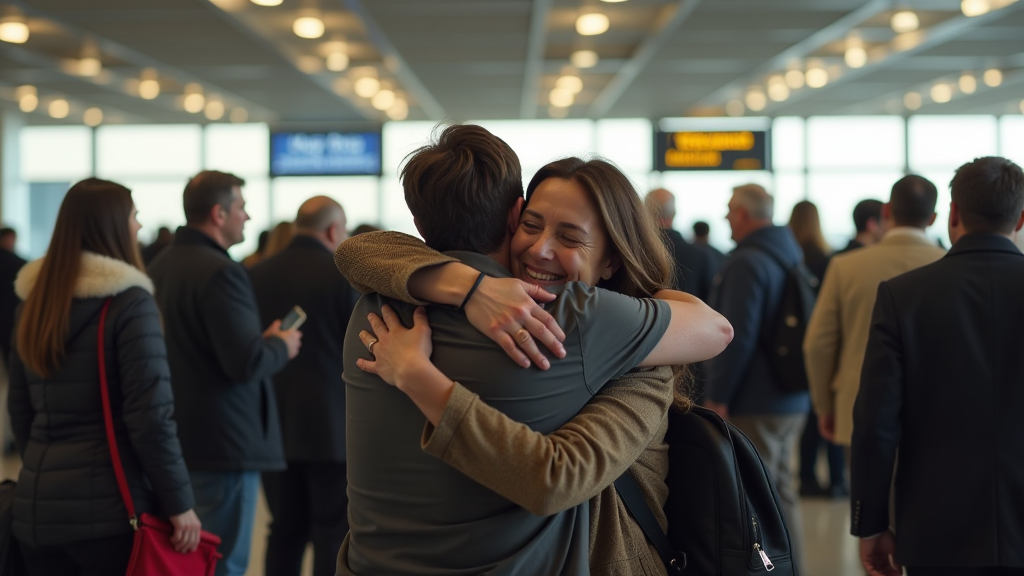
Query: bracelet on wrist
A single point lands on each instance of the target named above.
(469, 294)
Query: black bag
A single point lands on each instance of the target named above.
(724, 515)
(10, 555)
(783, 336)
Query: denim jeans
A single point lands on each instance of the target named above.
(226, 505)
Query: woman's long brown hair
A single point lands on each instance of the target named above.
(93, 217)
(646, 265)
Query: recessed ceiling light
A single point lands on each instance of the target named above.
(383, 100)
(149, 89)
(795, 79)
(28, 102)
(570, 82)
(399, 110)
(777, 89)
(584, 58)
(194, 103)
(367, 87)
(817, 77)
(756, 100)
(972, 8)
(905, 21)
(59, 108)
(337, 61)
(93, 117)
(993, 77)
(941, 93)
(561, 98)
(968, 83)
(214, 110)
(308, 27)
(855, 57)
(267, 2)
(912, 100)
(592, 24)
(14, 31)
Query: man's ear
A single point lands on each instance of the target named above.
(886, 212)
(1020, 223)
(514, 215)
(954, 216)
(932, 219)
(217, 215)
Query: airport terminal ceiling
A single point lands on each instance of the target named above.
(365, 61)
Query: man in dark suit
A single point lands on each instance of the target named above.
(702, 240)
(10, 265)
(307, 500)
(221, 363)
(943, 382)
(695, 268)
(163, 239)
(867, 219)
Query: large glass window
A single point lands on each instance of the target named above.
(836, 193)
(56, 153)
(855, 142)
(161, 151)
(950, 141)
(1011, 138)
(788, 144)
(241, 149)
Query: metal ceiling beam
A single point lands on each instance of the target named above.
(135, 58)
(396, 64)
(903, 46)
(797, 52)
(669, 20)
(534, 58)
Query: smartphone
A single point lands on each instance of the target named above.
(293, 319)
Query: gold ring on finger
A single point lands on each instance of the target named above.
(370, 345)
(525, 335)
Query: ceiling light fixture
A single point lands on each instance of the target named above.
(93, 117)
(993, 77)
(337, 61)
(89, 66)
(194, 103)
(734, 108)
(584, 58)
(214, 109)
(570, 82)
(59, 108)
(561, 98)
(14, 30)
(399, 110)
(942, 93)
(795, 79)
(383, 100)
(613, 1)
(308, 27)
(912, 100)
(855, 57)
(972, 8)
(592, 24)
(905, 21)
(817, 77)
(239, 115)
(267, 2)
(28, 98)
(968, 83)
(149, 89)
(777, 88)
(367, 87)
(756, 100)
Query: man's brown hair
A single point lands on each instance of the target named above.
(912, 201)
(461, 187)
(207, 189)
(990, 194)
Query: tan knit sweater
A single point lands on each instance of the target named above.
(621, 428)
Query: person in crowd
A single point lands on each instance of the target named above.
(867, 219)
(694, 268)
(307, 501)
(68, 513)
(411, 512)
(221, 363)
(364, 228)
(740, 384)
(280, 238)
(526, 466)
(941, 384)
(838, 330)
(10, 265)
(805, 223)
(261, 247)
(163, 239)
(701, 234)
(8, 239)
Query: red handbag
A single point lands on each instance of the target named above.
(152, 552)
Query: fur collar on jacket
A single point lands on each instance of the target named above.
(98, 277)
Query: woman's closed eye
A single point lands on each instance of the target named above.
(531, 227)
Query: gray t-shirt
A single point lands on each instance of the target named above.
(410, 513)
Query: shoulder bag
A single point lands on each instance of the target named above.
(152, 552)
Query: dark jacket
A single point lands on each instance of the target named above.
(220, 362)
(816, 261)
(748, 292)
(310, 392)
(67, 491)
(695, 268)
(943, 381)
(10, 264)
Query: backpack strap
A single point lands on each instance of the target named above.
(634, 500)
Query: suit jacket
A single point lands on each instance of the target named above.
(10, 264)
(838, 330)
(695, 269)
(310, 391)
(220, 362)
(943, 381)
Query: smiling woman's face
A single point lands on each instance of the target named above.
(561, 237)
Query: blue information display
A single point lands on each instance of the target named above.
(325, 154)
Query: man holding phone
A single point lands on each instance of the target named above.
(308, 501)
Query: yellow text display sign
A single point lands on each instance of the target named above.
(707, 150)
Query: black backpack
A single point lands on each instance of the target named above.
(724, 515)
(783, 336)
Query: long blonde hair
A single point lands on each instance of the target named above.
(806, 226)
(93, 217)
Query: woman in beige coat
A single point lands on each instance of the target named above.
(583, 221)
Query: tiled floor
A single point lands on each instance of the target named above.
(829, 549)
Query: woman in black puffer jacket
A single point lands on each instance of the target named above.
(68, 513)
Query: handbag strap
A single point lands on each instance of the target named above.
(108, 417)
(634, 500)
